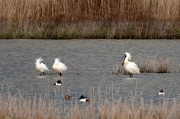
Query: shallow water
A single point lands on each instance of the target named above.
(89, 65)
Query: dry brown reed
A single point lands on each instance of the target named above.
(154, 66)
(89, 19)
(42, 106)
(117, 69)
(15, 107)
(18, 107)
(178, 68)
(35, 11)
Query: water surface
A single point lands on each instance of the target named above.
(89, 65)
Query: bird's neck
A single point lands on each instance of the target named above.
(126, 61)
(37, 63)
(56, 62)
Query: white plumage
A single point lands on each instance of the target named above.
(41, 67)
(130, 67)
(59, 66)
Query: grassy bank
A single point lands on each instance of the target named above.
(69, 19)
(93, 30)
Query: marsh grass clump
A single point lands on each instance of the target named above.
(145, 66)
(163, 66)
(117, 69)
(177, 69)
(154, 66)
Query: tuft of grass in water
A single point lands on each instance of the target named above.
(163, 66)
(154, 66)
(117, 69)
(145, 66)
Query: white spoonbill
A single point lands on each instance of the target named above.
(130, 67)
(59, 66)
(41, 67)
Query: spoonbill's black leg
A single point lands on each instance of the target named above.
(131, 75)
(60, 74)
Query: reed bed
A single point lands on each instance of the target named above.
(35, 11)
(69, 19)
(18, 107)
(92, 30)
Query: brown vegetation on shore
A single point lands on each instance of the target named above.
(70, 19)
(34, 11)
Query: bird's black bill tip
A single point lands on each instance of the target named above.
(123, 60)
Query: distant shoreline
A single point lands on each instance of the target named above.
(90, 19)
(92, 30)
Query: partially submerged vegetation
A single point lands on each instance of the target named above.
(146, 66)
(41, 107)
(154, 66)
(90, 19)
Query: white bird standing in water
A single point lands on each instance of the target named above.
(130, 67)
(59, 66)
(41, 67)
